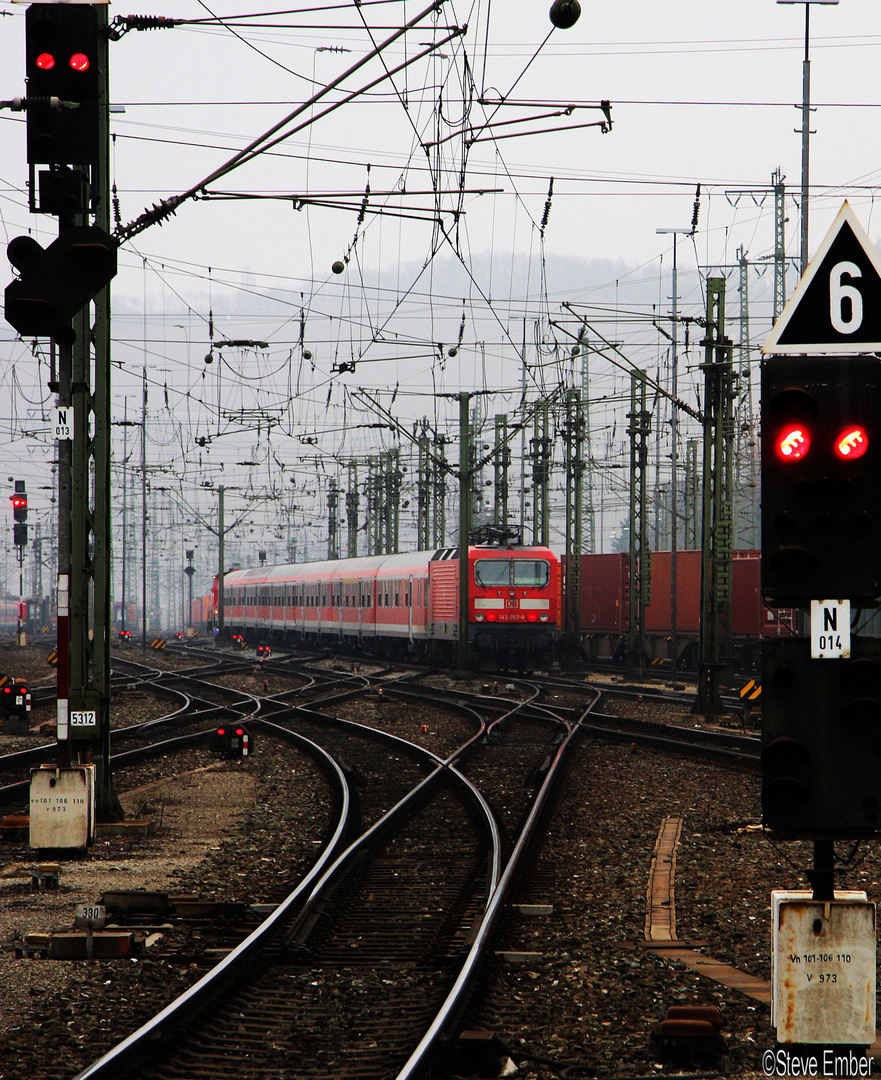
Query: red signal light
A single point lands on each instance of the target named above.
(79, 62)
(852, 443)
(45, 61)
(792, 442)
(240, 731)
(221, 731)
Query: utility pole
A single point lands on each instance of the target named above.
(391, 497)
(746, 451)
(52, 298)
(541, 475)
(423, 492)
(638, 429)
(333, 501)
(779, 187)
(221, 555)
(806, 125)
(439, 517)
(501, 461)
(374, 507)
(353, 505)
(573, 435)
(690, 496)
(144, 515)
(125, 423)
(716, 530)
(465, 522)
(590, 540)
(674, 449)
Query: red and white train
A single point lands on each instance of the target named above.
(407, 605)
(12, 613)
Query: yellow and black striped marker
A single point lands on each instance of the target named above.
(752, 691)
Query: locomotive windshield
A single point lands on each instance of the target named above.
(503, 573)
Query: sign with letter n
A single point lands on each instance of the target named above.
(830, 629)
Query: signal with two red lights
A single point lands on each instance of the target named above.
(821, 479)
(19, 500)
(15, 695)
(62, 69)
(793, 442)
(232, 741)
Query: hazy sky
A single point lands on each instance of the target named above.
(700, 93)
(458, 244)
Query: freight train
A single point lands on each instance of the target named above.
(605, 616)
(406, 606)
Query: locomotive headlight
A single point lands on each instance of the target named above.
(479, 617)
(543, 617)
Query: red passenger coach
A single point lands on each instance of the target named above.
(399, 606)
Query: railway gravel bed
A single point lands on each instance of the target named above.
(225, 831)
(575, 985)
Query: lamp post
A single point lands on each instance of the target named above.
(674, 439)
(805, 124)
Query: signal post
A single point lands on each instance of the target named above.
(821, 693)
(67, 109)
(19, 500)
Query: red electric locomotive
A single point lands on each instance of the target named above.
(398, 606)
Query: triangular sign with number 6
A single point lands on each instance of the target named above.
(837, 305)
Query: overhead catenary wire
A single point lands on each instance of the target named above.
(265, 141)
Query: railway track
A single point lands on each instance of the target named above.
(408, 906)
(453, 924)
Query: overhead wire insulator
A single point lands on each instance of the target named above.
(697, 209)
(547, 210)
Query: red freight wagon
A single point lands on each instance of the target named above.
(605, 615)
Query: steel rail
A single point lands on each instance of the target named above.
(455, 1001)
(114, 1064)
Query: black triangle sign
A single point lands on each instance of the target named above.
(836, 307)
